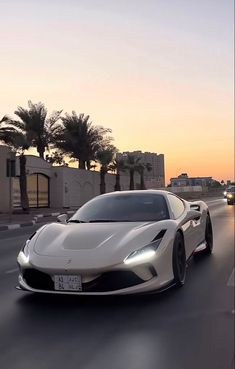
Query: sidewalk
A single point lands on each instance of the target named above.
(19, 219)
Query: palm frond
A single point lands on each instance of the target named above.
(16, 124)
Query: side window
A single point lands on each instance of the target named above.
(177, 206)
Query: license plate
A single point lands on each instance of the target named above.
(68, 282)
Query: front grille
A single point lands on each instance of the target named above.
(109, 281)
(38, 280)
(112, 281)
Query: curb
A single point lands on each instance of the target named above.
(9, 227)
(16, 226)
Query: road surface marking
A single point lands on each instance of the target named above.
(231, 280)
(13, 226)
(11, 271)
(216, 200)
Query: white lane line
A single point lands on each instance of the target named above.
(11, 271)
(231, 280)
(217, 200)
(13, 226)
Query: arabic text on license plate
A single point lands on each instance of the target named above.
(68, 282)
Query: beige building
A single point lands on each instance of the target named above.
(184, 180)
(6, 182)
(50, 186)
(156, 177)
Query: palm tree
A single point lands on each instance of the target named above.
(79, 139)
(18, 141)
(133, 165)
(118, 166)
(104, 158)
(141, 171)
(38, 129)
(56, 157)
(5, 131)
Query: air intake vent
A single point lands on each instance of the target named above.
(159, 235)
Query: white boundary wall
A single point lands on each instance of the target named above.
(69, 187)
(73, 187)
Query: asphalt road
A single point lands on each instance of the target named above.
(188, 328)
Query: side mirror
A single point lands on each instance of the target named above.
(62, 218)
(194, 215)
(195, 207)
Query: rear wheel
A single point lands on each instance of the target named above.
(179, 260)
(208, 236)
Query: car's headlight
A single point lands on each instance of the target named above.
(225, 193)
(25, 248)
(23, 256)
(230, 195)
(145, 253)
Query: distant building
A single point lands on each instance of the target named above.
(183, 180)
(156, 177)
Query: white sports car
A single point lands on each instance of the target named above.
(118, 243)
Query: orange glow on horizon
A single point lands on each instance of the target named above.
(159, 75)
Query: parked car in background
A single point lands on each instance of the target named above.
(230, 195)
(225, 192)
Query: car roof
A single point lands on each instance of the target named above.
(140, 192)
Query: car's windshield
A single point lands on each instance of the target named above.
(123, 208)
(231, 189)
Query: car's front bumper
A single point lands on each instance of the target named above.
(106, 285)
(146, 287)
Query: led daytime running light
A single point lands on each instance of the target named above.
(143, 254)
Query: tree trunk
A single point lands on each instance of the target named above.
(102, 181)
(81, 164)
(117, 186)
(132, 185)
(23, 184)
(41, 151)
(88, 164)
(142, 184)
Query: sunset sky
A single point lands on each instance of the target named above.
(159, 73)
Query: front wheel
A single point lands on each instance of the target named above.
(179, 260)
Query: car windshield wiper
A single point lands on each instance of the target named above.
(104, 221)
(76, 221)
(123, 220)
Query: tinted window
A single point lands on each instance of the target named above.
(123, 207)
(177, 206)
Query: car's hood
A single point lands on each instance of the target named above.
(95, 240)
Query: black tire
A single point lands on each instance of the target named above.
(229, 202)
(179, 260)
(208, 236)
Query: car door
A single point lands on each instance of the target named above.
(189, 226)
